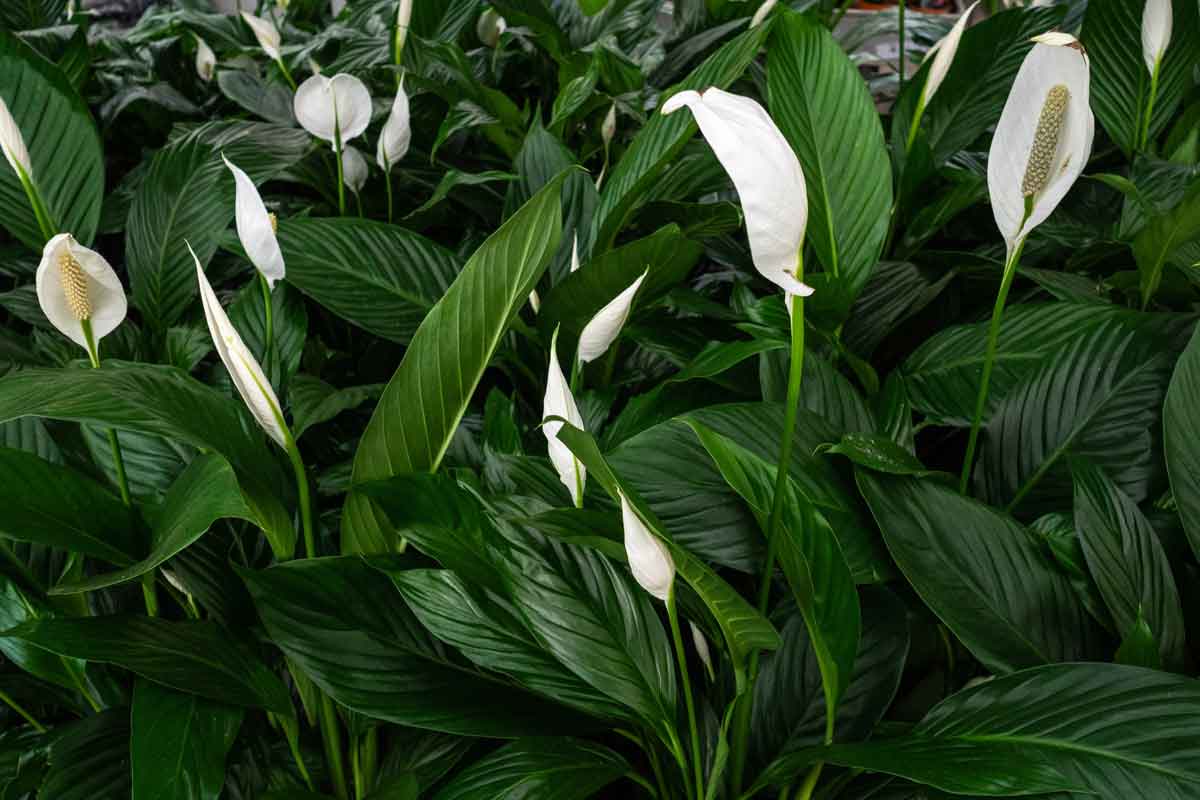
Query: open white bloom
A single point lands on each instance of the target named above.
(761, 13)
(701, 647)
(75, 285)
(560, 403)
(266, 33)
(248, 377)
(354, 169)
(324, 106)
(206, 60)
(1043, 139)
(256, 228)
(766, 174)
(396, 135)
(489, 26)
(602, 330)
(1157, 19)
(13, 143)
(649, 560)
(943, 55)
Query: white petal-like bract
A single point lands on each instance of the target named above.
(1048, 69)
(608, 128)
(602, 329)
(12, 142)
(943, 55)
(396, 135)
(266, 33)
(489, 26)
(575, 254)
(559, 402)
(354, 168)
(649, 560)
(248, 377)
(403, 16)
(206, 60)
(254, 227)
(1157, 20)
(701, 645)
(323, 105)
(761, 13)
(766, 174)
(76, 283)
(336, 6)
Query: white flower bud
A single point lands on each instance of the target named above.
(649, 560)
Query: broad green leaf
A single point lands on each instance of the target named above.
(814, 88)
(206, 492)
(346, 627)
(1125, 556)
(264, 150)
(426, 398)
(1120, 80)
(195, 657)
(1138, 648)
(152, 463)
(89, 759)
(313, 401)
(878, 453)
(177, 744)
(289, 329)
(270, 100)
(165, 402)
(57, 506)
(31, 14)
(811, 559)
(545, 769)
(1106, 731)
(64, 148)
(982, 574)
(663, 137)
(1181, 438)
(718, 357)
(18, 606)
(1156, 245)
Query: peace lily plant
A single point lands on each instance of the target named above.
(336, 110)
(1157, 20)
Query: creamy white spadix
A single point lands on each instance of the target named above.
(75, 284)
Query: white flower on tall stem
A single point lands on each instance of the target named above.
(396, 135)
(943, 53)
(649, 560)
(1157, 20)
(13, 144)
(269, 40)
(335, 110)
(79, 293)
(559, 402)
(489, 26)
(603, 328)
(354, 168)
(256, 228)
(206, 60)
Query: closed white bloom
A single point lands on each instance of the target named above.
(608, 128)
(396, 135)
(256, 228)
(267, 34)
(325, 105)
(943, 55)
(559, 402)
(762, 12)
(575, 254)
(1056, 38)
(535, 301)
(766, 174)
(354, 169)
(13, 143)
(489, 26)
(1043, 139)
(602, 330)
(701, 647)
(1157, 19)
(76, 284)
(248, 377)
(649, 560)
(336, 6)
(206, 60)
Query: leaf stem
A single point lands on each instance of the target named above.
(15, 706)
(292, 734)
(286, 73)
(810, 781)
(337, 149)
(1143, 139)
(681, 658)
(331, 737)
(387, 181)
(269, 312)
(306, 521)
(900, 6)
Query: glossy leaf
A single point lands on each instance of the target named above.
(90, 759)
(547, 769)
(1181, 438)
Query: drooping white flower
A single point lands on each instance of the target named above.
(608, 128)
(1157, 19)
(649, 560)
(248, 377)
(13, 143)
(75, 285)
(602, 329)
(1043, 139)
(206, 60)
(325, 105)
(943, 54)
(761, 13)
(489, 26)
(766, 174)
(559, 402)
(354, 169)
(256, 227)
(396, 135)
(266, 33)
(701, 644)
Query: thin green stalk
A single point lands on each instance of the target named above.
(337, 148)
(841, 12)
(370, 756)
(360, 789)
(15, 706)
(77, 679)
(1144, 132)
(286, 73)
(358, 204)
(900, 7)
(331, 737)
(292, 734)
(681, 658)
(642, 782)
(387, 181)
(656, 766)
(269, 312)
(810, 782)
(41, 214)
(22, 568)
(1010, 270)
(681, 760)
(293, 451)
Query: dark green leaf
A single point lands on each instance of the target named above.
(90, 759)
(538, 769)
(1181, 438)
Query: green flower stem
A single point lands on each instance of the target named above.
(810, 782)
(741, 719)
(331, 737)
(77, 679)
(306, 521)
(40, 212)
(337, 148)
(1143, 139)
(900, 7)
(15, 706)
(292, 734)
(1010, 269)
(387, 181)
(286, 73)
(681, 658)
(269, 311)
(370, 756)
(360, 789)
(22, 569)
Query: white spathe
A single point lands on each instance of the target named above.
(559, 402)
(325, 105)
(766, 174)
(608, 128)
(336, 6)
(13, 143)
(489, 26)
(761, 13)
(943, 55)
(206, 60)
(354, 168)
(602, 329)
(575, 254)
(266, 33)
(403, 17)
(649, 560)
(248, 377)
(396, 135)
(1157, 19)
(254, 227)
(701, 644)
(105, 295)
(1046, 66)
